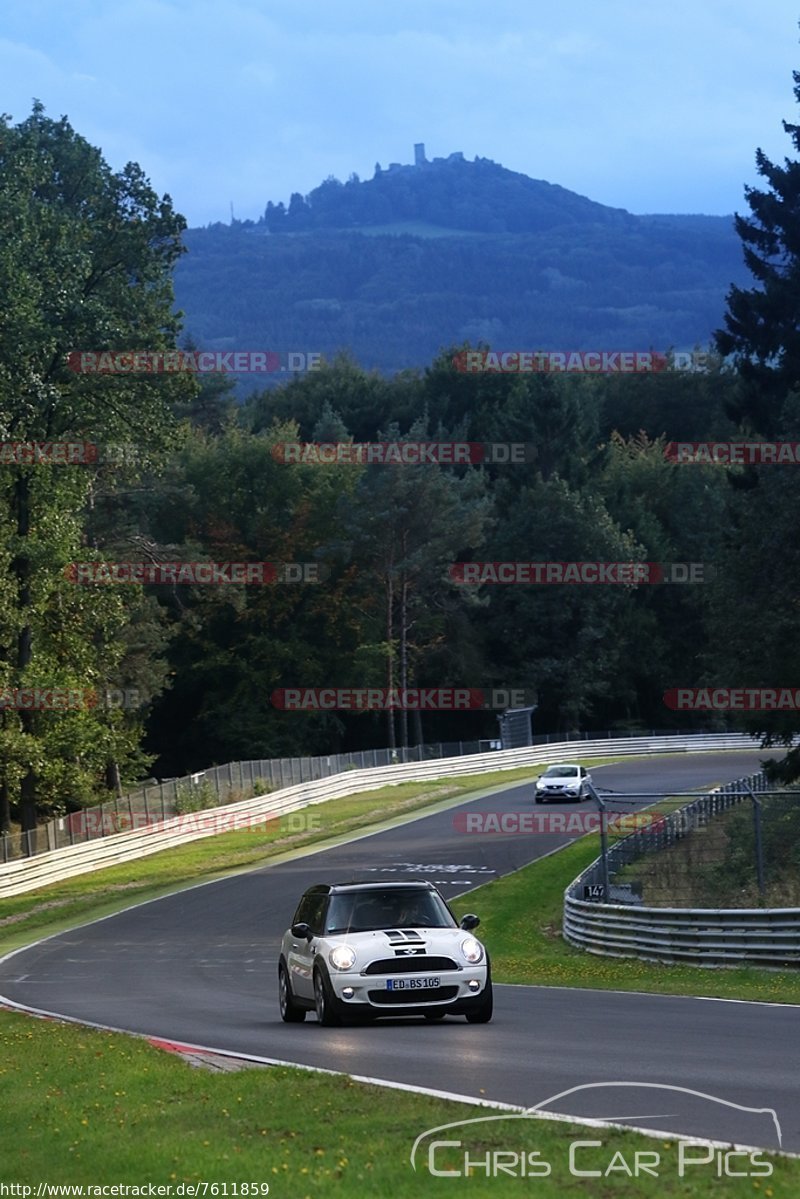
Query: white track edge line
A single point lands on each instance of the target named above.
(411, 1088)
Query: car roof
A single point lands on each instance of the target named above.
(560, 765)
(371, 885)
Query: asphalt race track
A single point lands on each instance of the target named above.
(199, 967)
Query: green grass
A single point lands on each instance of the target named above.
(101, 1108)
(521, 917)
(81, 1106)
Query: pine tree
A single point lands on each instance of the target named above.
(763, 323)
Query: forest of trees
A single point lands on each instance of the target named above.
(198, 477)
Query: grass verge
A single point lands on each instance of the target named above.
(97, 1108)
(521, 918)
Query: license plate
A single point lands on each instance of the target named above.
(411, 984)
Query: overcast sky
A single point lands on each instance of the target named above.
(653, 107)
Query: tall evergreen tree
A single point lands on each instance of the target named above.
(754, 620)
(762, 324)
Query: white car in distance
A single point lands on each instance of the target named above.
(381, 949)
(563, 781)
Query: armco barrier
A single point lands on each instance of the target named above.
(28, 873)
(695, 936)
(229, 783)
(233, 780)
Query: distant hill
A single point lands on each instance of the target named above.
(420, 257)
(477, 197)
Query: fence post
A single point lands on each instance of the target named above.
(603, 840)
(759, 845)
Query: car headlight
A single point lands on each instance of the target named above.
(472, 950)
(342, 957)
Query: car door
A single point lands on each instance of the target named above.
(300, 956)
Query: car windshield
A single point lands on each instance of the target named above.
(362, 911)
(561, 772)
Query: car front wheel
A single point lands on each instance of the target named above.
(290, 1012)
(325, 1002)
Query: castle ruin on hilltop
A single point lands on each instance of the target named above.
(419, 161)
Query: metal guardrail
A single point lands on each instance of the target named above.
(157, 802)
(26, 874)
(230, 783)
(696, 936)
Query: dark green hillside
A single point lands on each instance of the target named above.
(395, 300)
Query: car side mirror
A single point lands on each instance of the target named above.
(302, 931)
(469, 922)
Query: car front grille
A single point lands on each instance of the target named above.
(413, 964)
(412, 998)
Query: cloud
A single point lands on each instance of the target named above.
(653, 109)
